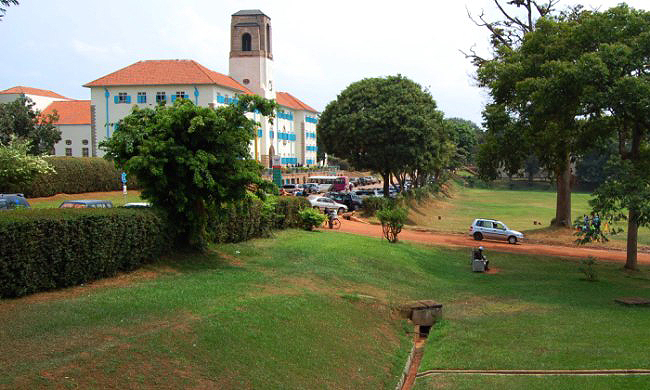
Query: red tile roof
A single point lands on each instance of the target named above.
(71, 112)
(32, 91)
(288, 100)
(166, 72)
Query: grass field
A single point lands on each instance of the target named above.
(519, 209)
(314, 310)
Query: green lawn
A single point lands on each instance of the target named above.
(517, 208)
(314, 310)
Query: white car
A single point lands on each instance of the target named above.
(495, 230)
(323, 203)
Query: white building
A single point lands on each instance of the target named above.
(74, 123)
(147, 83)
(41, 97)
(74, 117)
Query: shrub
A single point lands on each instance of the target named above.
(392, 220)
(46, 249)
(241, 220)
(372, 204)
(311, 218)
(587, 268)
(287, 211)
(74, 175)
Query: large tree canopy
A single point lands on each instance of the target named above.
(466, 135)
(189, 158)
(19, 119)
(388, 125)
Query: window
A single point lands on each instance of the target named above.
(121, 97)
(268, 38)
(142, 97)
(160, 97)
(180, 95)
(246, 42)
(68, 152)
(84, 152)
(68, 142)
(85, 142)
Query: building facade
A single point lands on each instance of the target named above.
(292, 136)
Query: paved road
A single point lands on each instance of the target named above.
(460, 240)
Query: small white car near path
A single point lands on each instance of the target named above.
(492, 229)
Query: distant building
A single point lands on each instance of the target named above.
(74, 118)
(148, 83)
(41, 97)
(74, 123)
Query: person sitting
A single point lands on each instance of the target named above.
(478, 255)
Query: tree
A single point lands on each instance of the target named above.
(6, 3)
(538, 85)
(20, 119)
(189, 159)
(617, 105)
(387, 125)
(465, 135)
(17, 168)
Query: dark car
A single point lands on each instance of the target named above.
(86, 204)
(353, 201)
(13, 201)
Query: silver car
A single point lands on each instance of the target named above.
(495, 230)
(324, 203)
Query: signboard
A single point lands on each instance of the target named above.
(123, 177)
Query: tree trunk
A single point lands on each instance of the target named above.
(563, 204)
(386, 178)
(632, 239)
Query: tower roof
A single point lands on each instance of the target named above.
(249, 12)
(31, 91)
(166, 72)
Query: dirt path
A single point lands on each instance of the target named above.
(459, 240)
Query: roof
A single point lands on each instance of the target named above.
(166, 72)
(31, 91)
(249, 12)
(71, 112)
(288, 100)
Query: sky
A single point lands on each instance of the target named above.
(319, 47)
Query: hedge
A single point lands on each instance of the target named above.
(252, 217)
(46, 249)
(74, 175)
(54, 248)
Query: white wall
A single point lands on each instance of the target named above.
(75, 134)
(259, 72)
(41, 102)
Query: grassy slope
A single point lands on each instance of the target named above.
(517, 208)
(282, 313)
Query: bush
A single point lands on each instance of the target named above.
(372, 204)
(47, 249)
(392, 221)
(311, 218)
(74, 175)
(588, 268)
(287, 211)
(241, 220)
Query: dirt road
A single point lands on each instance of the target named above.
(460, 240)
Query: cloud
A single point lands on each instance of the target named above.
(95, 52)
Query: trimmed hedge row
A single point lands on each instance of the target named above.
(46, 249)
(54, 248)
(75, 175)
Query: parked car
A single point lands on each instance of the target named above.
(291, 188)
(312, 187)
(13, 201)
(324, 203)
(495, 230)
(353, 201)
(366, 193)
(137, 205)
(86, 204)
